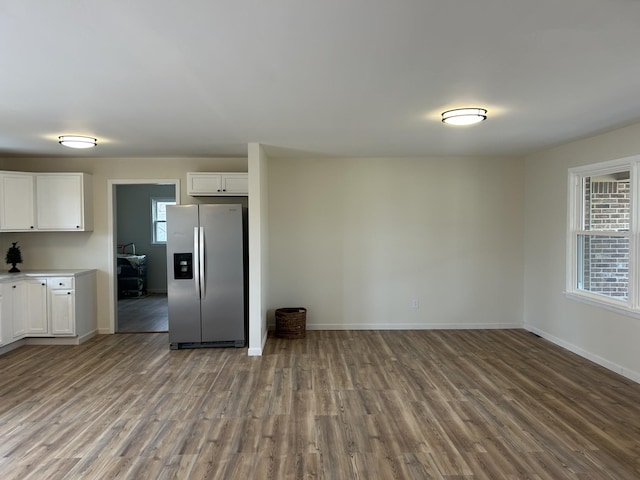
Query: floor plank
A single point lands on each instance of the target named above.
(149, 313)
(447, 405)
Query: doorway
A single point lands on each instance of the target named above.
(138, 248)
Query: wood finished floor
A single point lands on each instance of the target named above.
(336, 405)
(143, 314)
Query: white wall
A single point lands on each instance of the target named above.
(258, 164)
(357, 240)
(90, 249)
(605, 337)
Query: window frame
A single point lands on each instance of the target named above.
(575, 208)
(155, 221)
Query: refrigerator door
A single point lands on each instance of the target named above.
(182, 274)
(222, 299)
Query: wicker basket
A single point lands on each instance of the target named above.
(291, 322)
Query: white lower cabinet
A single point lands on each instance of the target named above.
(36, 306)
(2, 316)
(62, 312)
(48, 306)
(14, 310)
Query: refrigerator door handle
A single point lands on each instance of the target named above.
(196, 260)
(201, 272)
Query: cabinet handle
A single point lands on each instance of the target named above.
(224, 189)
(61, 284)
(77, 226)
(43, 284)
(31, 226)
(13, 286)
(68, 293)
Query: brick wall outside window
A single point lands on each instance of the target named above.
(606, 269)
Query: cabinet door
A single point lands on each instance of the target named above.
(6, 322)
(16, 202)
(235, 184)
(59, 202)
(62, 312)
(217, 184)
(204, 183)
(17, 297)
(36, 314)
(3, 317)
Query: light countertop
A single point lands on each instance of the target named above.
(71, 272)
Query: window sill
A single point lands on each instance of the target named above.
(601, 303)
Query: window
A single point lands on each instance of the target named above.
(159, 219)
(603, 234)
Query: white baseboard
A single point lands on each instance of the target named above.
(87, 336)
(614, 367)
(12, 346)
(47, 341)
(413, 326)
(257, 352)
(52, 341)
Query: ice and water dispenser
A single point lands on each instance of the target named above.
(183, 266)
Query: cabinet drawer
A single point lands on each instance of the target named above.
(60, 283)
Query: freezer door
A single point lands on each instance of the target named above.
(182, 275)
(222, 301)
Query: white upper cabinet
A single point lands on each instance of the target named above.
(45, 202)
(235, 184)
(17, 210)
(217, 184)
(203, 184)
(62, 202)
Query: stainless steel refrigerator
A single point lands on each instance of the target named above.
(206, 275)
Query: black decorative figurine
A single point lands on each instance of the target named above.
(13, 256)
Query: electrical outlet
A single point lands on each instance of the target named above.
(415, 304)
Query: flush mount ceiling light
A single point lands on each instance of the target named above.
(77, 141)
(464, 116)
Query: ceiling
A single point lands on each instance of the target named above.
(194, 78)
